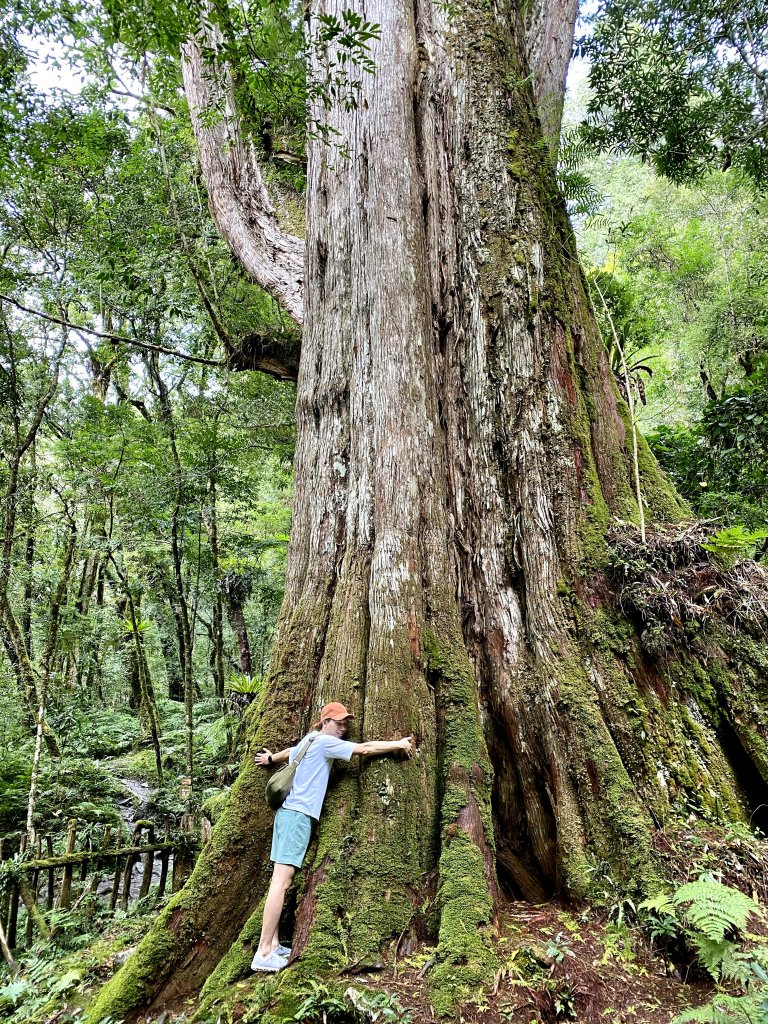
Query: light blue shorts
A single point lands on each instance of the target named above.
(290, 837)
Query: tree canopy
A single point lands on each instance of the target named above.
(680, 85)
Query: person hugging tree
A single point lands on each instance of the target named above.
(294, 819)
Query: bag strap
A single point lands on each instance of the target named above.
(297, 760)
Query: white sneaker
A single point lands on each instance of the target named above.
(271, 963)
(283, 951)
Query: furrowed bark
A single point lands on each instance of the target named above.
(237, 196)
(511, 304)
(549, 31)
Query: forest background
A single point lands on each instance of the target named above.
(146, 462)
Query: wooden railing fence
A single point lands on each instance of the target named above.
(36, 885)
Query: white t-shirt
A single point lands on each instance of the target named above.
(311, 779)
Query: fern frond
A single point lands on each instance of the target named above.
(575, 148)
(580, 193)
(712, 953)
(726, 1010)
(714, 908)
(760, 958)
(723, 960)
(661, 903)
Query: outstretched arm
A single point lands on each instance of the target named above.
(263, 757)
(374, 747)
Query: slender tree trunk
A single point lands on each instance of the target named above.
(140, 679)
(217, 641)
(237, 620)
(81, 655)
(6, 950)
(211, 518)
(236, 588)
(45, 676)
(29, 560)
(169, 641)
(185, 635)
(461, 452)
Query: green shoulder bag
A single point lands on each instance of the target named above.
(280, 782)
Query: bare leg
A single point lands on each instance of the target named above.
(282, 876)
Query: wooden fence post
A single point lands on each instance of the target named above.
(51, 876)
(183, 862)
(164, 858)
(147, 861)
(130, 862)
(86, 863)
(65, 896)
(30, 932)
(115, 884)
(98, 864)
(13, 915)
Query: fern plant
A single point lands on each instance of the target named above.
(711, 918)
(724, 1009)
(707, 907)
(734, 543)
(583, 198)
(714, 909)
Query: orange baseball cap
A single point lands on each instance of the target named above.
(336, 711)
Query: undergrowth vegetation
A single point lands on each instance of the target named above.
(711, 920)
(54, 979)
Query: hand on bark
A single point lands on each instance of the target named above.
(407, 744)
(262, 758)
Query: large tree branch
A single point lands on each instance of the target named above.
(237, 197)
(277, 356)
(549, 28)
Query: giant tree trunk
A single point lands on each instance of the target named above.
(461, 452)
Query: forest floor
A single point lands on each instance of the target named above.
(561, 964)
(578, 962)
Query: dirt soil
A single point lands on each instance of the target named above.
(559, 964)
(586, 969)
